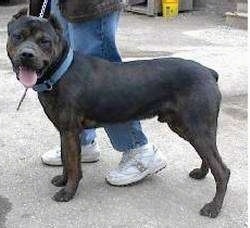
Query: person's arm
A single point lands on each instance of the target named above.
(35, 8)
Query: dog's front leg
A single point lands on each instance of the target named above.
(70, 147)
(61, 180)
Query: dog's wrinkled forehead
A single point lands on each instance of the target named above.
(31, 25)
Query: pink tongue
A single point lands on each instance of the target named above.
(27, 77)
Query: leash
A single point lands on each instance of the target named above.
(22, 99)
(41, 15)
(43, 9)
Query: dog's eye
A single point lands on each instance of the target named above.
(45, 42)
(17, 37)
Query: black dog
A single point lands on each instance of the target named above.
(93, 92)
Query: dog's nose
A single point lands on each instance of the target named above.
(27, 55)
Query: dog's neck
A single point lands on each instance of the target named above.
(56, 64)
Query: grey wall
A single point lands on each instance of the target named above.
(218, 6)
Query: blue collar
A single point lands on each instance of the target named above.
(48, 84)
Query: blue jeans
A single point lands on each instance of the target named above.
(97, 38)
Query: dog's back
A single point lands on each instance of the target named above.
(134, 90)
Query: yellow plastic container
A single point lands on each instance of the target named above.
(170, 8)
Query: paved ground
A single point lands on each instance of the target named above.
(168, 200)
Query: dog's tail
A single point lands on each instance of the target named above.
(215, 74)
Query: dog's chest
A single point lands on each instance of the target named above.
(50, 106)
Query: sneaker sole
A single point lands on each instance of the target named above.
(136, 179)
(60, 164)
(90, 161)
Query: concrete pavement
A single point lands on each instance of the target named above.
(168, 200)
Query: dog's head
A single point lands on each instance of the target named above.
(33, 45)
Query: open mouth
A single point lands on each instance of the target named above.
(27, 76)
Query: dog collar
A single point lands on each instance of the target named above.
(48, 84)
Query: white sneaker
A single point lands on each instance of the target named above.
(89, 153)
(136, 165)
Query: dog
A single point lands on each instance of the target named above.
(92, 92)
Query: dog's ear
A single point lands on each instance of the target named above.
(21, 13)
(55, 24)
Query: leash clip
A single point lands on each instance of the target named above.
(49, 85)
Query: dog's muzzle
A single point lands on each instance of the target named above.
(28, 71)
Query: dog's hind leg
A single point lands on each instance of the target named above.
(71, 167)
(202, 136)
(207, 149)
(179, 126)
(200, 173)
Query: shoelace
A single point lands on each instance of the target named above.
(129, 159)
(123, 160)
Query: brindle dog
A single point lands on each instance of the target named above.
(94, 92)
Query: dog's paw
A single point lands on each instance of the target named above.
(63, 195)
(59, 181)
(198, 174)
(210, 210)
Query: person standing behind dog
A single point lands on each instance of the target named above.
(90, 28)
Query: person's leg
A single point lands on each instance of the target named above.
(89, 149)
(87, 136)
(97, 38)
(54, 10)
(139, 157)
